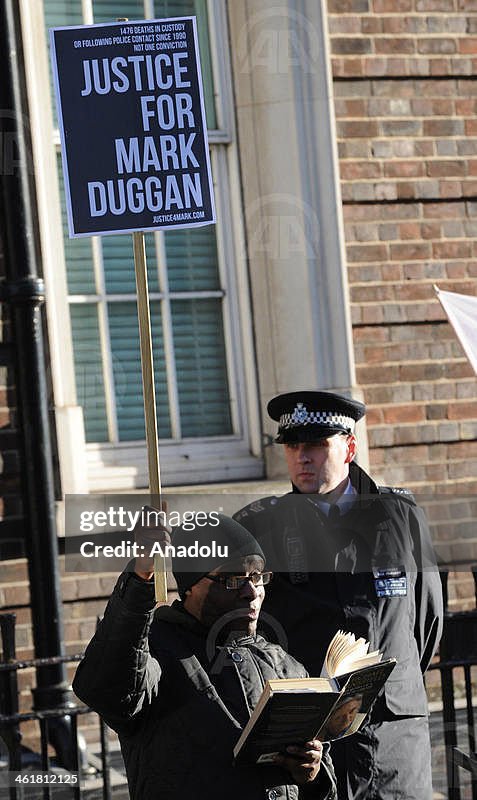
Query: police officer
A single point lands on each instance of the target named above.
(348, 554)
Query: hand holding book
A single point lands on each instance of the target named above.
(296, 710)
(303, 762)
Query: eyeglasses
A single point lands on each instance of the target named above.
(238, 581)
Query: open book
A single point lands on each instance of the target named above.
(347, 654)
(295, 710)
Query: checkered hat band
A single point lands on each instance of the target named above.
(301, 416)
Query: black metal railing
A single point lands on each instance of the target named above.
(454, 755)
(458, 657)
(458, 652)
(467, 762)
(11, 720)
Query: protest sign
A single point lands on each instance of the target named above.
(461, 310)
(132, 125)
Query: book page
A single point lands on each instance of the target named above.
(346, 653)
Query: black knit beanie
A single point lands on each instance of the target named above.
(209, 546)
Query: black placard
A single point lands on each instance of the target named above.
(132, 125)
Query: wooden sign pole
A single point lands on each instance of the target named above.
(149, 394)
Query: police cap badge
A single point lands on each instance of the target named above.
(309, 416)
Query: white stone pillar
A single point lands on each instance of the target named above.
(292, 201)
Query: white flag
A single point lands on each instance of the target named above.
(462, 312)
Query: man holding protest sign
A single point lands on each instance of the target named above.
(178, 685)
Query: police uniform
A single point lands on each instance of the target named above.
(364, 565)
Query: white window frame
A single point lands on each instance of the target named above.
(123, 465)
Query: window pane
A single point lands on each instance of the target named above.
(192, 261)
(88, 370)
(174, 8)
(118, 260)
(59, 13)
(192, 265)
(201, 367)
(151, 262)
(62, 12)
(197, 8)
(78, 256)
(107, 11)
(123, 326)
(206, 62)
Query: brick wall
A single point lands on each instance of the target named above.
(84, 599)
(405, 86)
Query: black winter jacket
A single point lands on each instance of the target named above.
(153, 680)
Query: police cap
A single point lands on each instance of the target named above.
(309, 416)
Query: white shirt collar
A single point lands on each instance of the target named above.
(344, 502)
